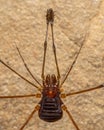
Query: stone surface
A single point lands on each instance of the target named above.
(23, 23)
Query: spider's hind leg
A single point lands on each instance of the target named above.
(70, 116)
(30, 116)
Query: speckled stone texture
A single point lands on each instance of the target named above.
(76, 21)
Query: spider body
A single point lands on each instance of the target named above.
(50, 104)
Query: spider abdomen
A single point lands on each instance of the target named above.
(50, 109)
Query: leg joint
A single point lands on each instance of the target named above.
(63, 95)
(64, 107)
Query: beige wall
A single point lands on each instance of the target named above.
(23, 23)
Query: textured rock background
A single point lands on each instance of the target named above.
(23, 23)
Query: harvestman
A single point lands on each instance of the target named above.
(50, 108)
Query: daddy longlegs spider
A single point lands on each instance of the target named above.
(51, 107)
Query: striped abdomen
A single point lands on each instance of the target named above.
(50, 109)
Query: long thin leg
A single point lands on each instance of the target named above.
(70, 116)
(22, 96)
(82, 91)
(19, 75)
(30, 116)
(54, 50)
(70, 68)
(27, 66)
(87, 90)
(44, 57)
